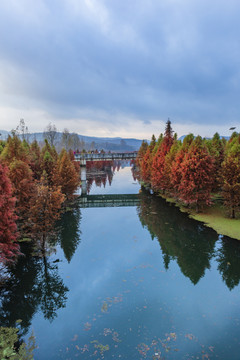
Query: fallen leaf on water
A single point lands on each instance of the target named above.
(104, 307)
(87, 326)
(189, 336)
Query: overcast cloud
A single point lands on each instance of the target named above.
(120, 68)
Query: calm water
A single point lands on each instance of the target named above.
(133, 282)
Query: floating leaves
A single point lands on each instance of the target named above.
(143, 349)
(109, 301)
(87, 326)
(104, 307)
(102, 348)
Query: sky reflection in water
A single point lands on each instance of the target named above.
(143, 282)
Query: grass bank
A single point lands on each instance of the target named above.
(215, 217)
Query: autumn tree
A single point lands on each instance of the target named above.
(35, 160)
(48, 160)
(45, 210)
(65, 174)
(14, 149)
(158, 177)
(231, 177)
(75, 163)
(169, 160)
(141, 152)
(9, 249)
(196, 175)
(146, 162)
(2, 145)
(216, 149)
(20, 175)
(176, 173)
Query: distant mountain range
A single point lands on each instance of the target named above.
(93, 142)
(106, 143)
(226, 137)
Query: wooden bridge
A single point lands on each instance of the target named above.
(109, 200)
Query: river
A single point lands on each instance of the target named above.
(129, 282)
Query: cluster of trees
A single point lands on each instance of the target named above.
(34, 183)
(65, 139)
(190, 171)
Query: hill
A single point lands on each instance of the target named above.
(87, 142)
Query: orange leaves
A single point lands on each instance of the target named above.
(65, 175)
(8, 229)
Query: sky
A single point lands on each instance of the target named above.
(120, 67)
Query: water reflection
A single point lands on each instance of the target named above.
(120, 295)
(228, 258)
(33, 285)
(69, 231)
(100, 173)
(190, 243)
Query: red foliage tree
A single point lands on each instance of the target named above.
(141, 153)
(65, 175)
(176, 174)
(20, 175)
(146, 162)
(9, 249)
(196, 175)
(158, 176)
(45, 210)
(231, 177)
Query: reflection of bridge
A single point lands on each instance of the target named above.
(84, 157)
(91, 201)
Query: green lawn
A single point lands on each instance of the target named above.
(216, 218)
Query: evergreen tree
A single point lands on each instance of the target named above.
(14, 149)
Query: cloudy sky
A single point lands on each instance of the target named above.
(120, 67)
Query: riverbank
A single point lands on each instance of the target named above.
(214, 217)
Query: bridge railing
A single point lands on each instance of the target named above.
(106, 156)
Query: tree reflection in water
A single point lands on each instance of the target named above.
(228, 257)
(188, 242)
(101, 173)
(33, 284)
(69, 231)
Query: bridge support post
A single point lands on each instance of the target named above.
(83, 177)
